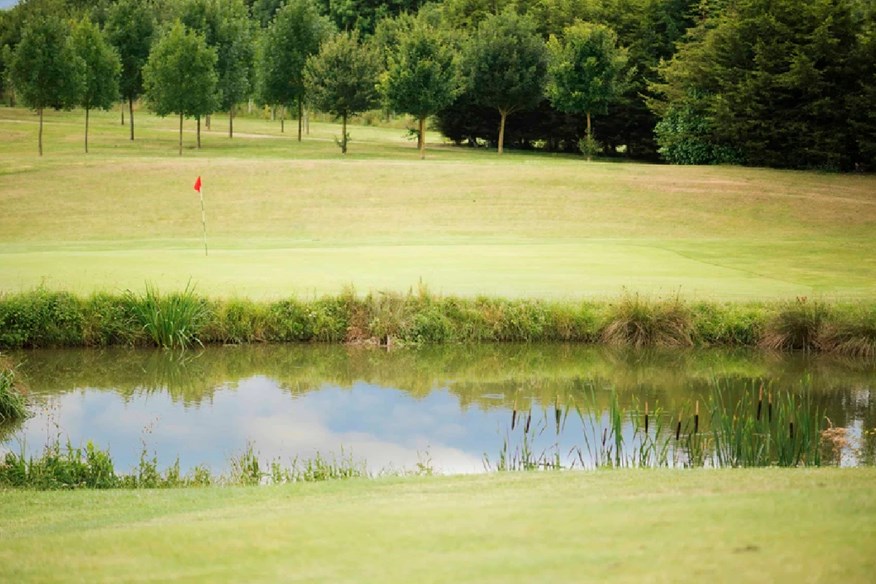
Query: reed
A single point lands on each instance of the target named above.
(13, 404)
(170, 321)
(636, 322)
(797, 326)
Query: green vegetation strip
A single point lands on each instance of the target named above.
(43, 318)
(622, 526)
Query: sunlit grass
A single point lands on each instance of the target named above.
(288, 217)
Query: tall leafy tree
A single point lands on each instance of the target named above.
(226, 27)
(294, 35)
(506, 63)
(102, 69)
(342, 78)
(422, 76)
(180, 76)
(131, 26)
(46, 70)
(585, 72)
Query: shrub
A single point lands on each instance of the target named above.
(173, 320)
(639, 323)
(796, 327)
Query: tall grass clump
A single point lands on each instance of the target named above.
(13, 405)
(852, 332)
(636, 322)
(797, 326)
(170, 321)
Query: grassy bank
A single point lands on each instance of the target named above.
(620, 526)
(298, 218)
(42, 318)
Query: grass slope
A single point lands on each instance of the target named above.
(764, 525)
(287, 217)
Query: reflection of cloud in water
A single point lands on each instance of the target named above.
(387, 428)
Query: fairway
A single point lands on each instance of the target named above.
(288, 218)
(767, 525)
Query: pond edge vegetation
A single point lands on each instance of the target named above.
(44, 318)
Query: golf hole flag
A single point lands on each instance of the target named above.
(203, 214)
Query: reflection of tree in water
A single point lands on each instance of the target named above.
(483, 376)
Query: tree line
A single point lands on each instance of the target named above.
(782, 83)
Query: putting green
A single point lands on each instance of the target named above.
(590, 268)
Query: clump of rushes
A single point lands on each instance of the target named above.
(798, 326)
(636, 322)
(852, 333)
(172, 320)
(13, 405)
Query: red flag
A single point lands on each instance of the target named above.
(198, 185)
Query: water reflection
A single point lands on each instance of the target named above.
(450, 404)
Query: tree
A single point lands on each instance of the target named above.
(295, 34)
(506, 63)
(422, 76)
(226, 27)
(46, 70)
(180, 75)
(778, 82)
(585, 72)
(130, 28)
(342, 78)
(102, 69)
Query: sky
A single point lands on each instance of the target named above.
(8, 3)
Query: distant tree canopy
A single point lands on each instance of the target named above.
(786, 83)
(180, 75)
(101, 68)
(45, 68)
(342, 78)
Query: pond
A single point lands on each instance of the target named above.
(455, 409)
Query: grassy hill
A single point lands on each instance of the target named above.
(298, 218)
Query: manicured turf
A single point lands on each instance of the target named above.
(764, 525)
(287, 218)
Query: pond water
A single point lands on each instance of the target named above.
(450, 407)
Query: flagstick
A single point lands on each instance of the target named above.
(203, 219)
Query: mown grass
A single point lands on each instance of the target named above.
(43, 318)
(298, 218)
(613, 526)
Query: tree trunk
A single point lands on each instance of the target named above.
(344, 136)
(122, 110)
(86, 130)
(231, 122)
(300, 115)
(40, 140)
(588, 136)
(249, 107)
(273, 113)
(207, 123)
(198, 118)
(131, 115)
(422, 138)
(283, 119)
(504, 115)
(180, 134)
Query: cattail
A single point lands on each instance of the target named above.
(557, 415)
(678, 429)
(697, 417)
(646, 417)
(759, 402)
(513, 418)
(769, 406)
(528, 420)
(791, 429)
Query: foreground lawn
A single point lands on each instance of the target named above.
(287, 217)
(765, 525)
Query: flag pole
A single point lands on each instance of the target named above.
(199, 187)
(203, 220)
